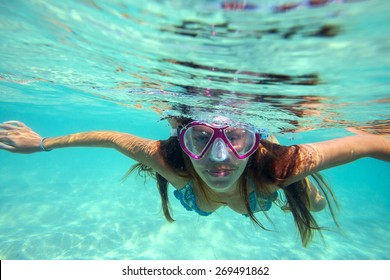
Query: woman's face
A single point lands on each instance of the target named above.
(220, 176)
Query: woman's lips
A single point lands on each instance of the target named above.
(219, 172)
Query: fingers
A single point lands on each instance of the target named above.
(15, 123)
(6, 146)
(4, 139)
(4, 133)
(12, 125)
(7, 126)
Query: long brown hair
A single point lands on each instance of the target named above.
(265, 170)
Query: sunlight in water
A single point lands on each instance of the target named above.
(305, 71)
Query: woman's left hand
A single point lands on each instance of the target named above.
(16, 137)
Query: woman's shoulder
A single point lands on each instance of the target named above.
(278, 162)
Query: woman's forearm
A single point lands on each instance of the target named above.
(315, 157)
(82, 139)
(138, 148)
(348, 149)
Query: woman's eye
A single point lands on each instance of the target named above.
(235, 137)
(202, 137)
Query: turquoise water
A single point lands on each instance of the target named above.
(86, 65)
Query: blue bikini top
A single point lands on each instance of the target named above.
(257, 203)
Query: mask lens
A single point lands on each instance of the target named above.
(197, 138)
(241, 139)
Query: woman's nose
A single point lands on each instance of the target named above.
(219, 150)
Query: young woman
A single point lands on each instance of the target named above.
(215, 164)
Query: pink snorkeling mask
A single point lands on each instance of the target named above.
(196, 138)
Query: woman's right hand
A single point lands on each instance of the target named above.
(16, 137)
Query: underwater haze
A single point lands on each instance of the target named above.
(306, 71)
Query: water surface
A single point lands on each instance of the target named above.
(305, 73)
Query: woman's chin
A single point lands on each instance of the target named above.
(219, 182)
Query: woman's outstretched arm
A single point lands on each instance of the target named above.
(16, 137)
(315, 157)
